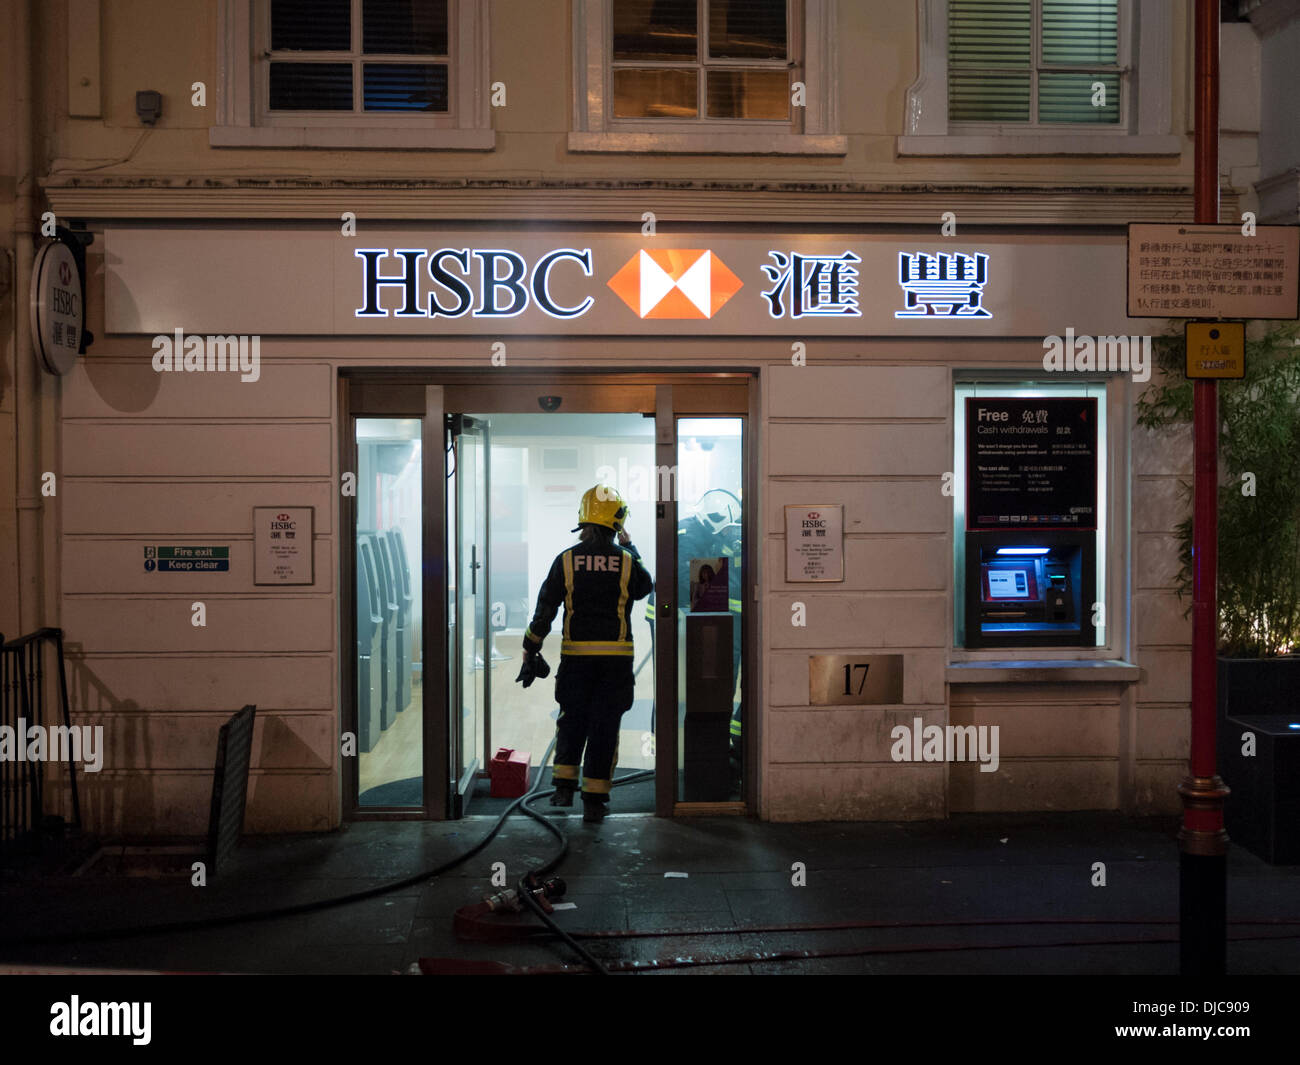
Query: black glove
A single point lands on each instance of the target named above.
(533, 667)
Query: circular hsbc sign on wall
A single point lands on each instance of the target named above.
(58, 308)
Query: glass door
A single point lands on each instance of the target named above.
(468, 646)
(388, 659)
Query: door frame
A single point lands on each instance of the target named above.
(429, 394)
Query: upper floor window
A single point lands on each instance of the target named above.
(750, 76)
(701, 59)
(357, 56)
(1039, 62)
(1042, 77)
(353, 74)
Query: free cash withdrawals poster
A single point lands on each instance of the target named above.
(1031, 463)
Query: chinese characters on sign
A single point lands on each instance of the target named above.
(1031, 463)
(1212, 271)
(282, 545)
(812, 285)
(948, 284)
(814, 543)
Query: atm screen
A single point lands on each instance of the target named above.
(1009, 582)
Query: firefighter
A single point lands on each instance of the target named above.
(597, 580)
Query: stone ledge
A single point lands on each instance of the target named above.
(1043, 671)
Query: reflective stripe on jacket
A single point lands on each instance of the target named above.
(596, 583)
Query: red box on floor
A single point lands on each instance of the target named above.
(509, 773)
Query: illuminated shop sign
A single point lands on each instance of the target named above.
(675, 283)
(472, 283)
(679, 283)
(949, 284)
(492, 283)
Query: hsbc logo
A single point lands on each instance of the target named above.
(65, 274)
(285, 517)
(675, 283)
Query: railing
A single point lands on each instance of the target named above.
(26, 703)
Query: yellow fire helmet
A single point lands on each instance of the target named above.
(602, 505)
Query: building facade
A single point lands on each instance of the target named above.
(343, 262)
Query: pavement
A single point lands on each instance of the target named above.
(974, 894)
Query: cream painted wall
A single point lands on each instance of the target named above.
(167, 46)
(183, 458)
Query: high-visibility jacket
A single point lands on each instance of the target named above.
(596, 583)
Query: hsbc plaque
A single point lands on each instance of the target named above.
(814, 543)
(282, 545)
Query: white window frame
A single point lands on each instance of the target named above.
(1147, 98)
(243, 121)
(1114, 518)
(810, 131)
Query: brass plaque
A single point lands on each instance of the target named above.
(855, 680)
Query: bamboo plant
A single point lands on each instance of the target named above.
(1259, 486)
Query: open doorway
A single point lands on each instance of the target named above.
(539, 467)
(465, 495)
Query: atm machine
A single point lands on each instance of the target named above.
(1030, 589)
(370, 647)
(388, 603)
(402, 570)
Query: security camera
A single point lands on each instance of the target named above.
(550, 404)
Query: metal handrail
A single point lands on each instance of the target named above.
(23, 697)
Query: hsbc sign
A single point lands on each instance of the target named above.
(454, 282)
(500, 283)
(530, 281)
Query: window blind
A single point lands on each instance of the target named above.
(992, 74)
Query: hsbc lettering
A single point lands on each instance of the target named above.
(488, 283)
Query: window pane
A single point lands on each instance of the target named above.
(747, 29)
(989, 33)
(749, 94)
(311, 86)
(405, 86)
(311, 25)
(404, 27)
(988, 97)
(655, 29)
(655, 94)
(1080, 31)
(1068, 98)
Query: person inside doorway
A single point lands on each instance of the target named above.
(596, 580)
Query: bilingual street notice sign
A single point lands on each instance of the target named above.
(186, 558)
(1181, 270)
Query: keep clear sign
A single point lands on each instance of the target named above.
(282, 545)
(814, 542)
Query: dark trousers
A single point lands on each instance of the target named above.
(594, 692)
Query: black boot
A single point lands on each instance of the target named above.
(592, 810)
(563, 794)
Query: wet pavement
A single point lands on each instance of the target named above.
(975, 894)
